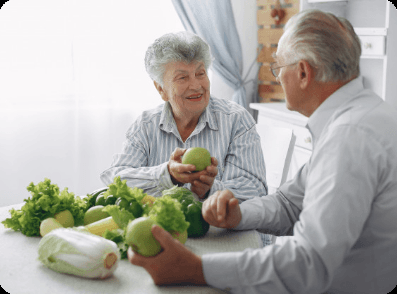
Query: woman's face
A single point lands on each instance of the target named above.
(187, 88)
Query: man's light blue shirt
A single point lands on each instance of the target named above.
(339, 213)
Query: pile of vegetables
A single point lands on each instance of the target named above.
(191, 208)
(46, 201)
(106, 213)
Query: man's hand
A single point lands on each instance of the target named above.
(222, 210)
(206, 179)
(184, 173)
(175, 264)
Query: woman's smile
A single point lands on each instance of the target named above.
(194, 97)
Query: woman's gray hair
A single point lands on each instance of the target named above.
(325, 41)
(183, 46)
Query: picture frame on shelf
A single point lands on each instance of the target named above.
(317, 1)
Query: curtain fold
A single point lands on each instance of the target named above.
(214, 22)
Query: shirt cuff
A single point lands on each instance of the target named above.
(250, 214)
(165, 181)
(221, 270)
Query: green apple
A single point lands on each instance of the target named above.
(94, 214)
(65, 218)
(198, 156)
(139, 236)
(48, 225)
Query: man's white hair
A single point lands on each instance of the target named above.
(328, 43)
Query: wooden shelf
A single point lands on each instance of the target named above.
(269, 33)
(318, 1)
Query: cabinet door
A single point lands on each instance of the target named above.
(299, 158)
(303, 145)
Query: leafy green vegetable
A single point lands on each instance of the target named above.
(120, 215)
(191, 209)
(178, 193)
(167, 212)
(118, 237)
(45, 202)
(119, 189)
(78, 253)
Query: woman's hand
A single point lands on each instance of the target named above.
(184, 173)
(181, 173)
(222, 210)
(175, 264)
(206, 179)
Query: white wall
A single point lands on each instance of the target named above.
(71, 134)
(72, 82)
(245, 17)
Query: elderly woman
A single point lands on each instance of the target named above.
(190, 117)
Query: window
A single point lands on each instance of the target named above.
(90, 51)
(73, 80)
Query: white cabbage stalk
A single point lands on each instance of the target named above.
(79, 253)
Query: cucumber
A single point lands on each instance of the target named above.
(91, 198)
(99, 191)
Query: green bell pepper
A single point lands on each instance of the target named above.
(110, 200)
(185, 201)
(198, 226)
(135, 208)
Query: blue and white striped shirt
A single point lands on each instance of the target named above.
(225, 129)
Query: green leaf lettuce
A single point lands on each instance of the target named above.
(167, 212)
(120, 189)
(121, 216)
(45, 202)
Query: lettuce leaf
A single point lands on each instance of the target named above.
(167, 212)
(178, 193)
(118, 237)
(45, 202)
(120, 189)
(121, 216)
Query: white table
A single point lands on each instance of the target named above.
(21, 272)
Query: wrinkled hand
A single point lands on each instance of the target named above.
(206, 179)
(184, 173)
(222, 210)
(181, 173)
(175, 264)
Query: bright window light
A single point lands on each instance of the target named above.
(82, 51)
(72, 82)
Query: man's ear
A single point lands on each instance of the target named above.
(160, 89)
(306, 74)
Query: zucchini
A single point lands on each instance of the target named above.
(99, 227)
(91, 198)
(99, 191)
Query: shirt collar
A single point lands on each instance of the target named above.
(208, 116)
(167, 122)
(167, 119)
(323, 113)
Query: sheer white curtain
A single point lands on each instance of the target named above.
(72, 81)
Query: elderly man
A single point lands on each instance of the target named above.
(339, 213)
(151, 157)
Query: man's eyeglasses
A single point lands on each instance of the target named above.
(276, 70)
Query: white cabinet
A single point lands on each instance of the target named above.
(375, 22)
(276, 114)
